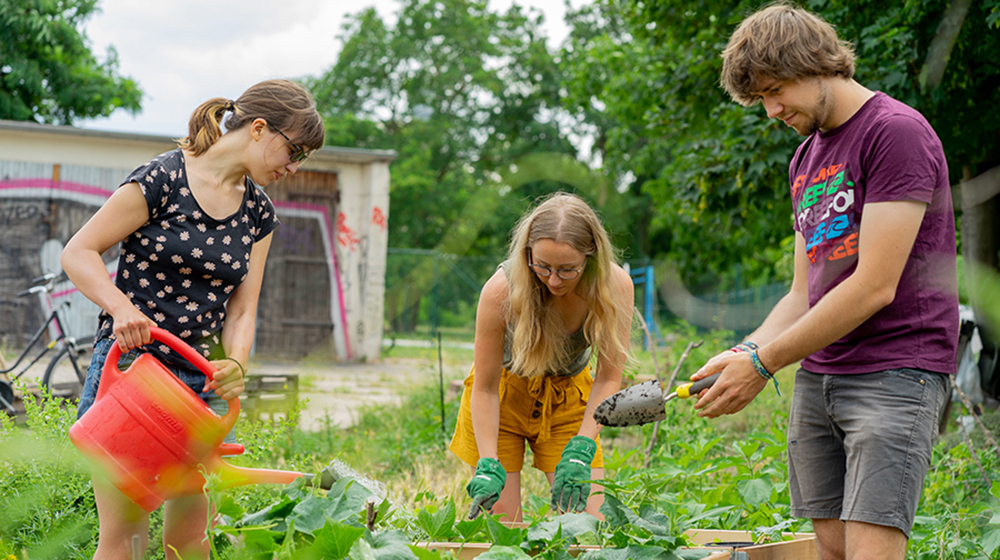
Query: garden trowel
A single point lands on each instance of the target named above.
(644, 403)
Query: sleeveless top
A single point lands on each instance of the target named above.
(579, 349)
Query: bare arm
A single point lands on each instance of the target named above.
(123, 213)
(886, 236)
(238, 331)
(610, 361)
(488, 363)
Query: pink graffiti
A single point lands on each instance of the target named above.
(378, 218)
(345, 235)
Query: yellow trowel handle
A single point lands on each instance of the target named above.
(695, 387)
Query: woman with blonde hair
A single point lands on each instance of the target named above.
(559, 294)
(194, 228)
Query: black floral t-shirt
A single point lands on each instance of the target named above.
(182, 265)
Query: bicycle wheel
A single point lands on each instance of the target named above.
(67, 371)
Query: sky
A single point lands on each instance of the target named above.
(184, 52)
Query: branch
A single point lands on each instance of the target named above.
(975, 455)
(673, 378)
(968, 406)
(944, 40)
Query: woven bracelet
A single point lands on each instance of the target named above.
(746, 346)
(762, 371)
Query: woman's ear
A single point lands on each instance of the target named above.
(257, 128)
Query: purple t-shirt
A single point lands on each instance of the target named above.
(885, 152)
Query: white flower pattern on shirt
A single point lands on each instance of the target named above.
(192, 259)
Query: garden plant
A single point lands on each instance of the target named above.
(724, 474)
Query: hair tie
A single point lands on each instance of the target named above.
(231, 106)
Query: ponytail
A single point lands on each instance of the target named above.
(204, 127)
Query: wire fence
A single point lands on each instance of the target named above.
(429, 292)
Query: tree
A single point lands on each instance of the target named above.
(47, 71)
(711, 171)
(716, 172)
(460, 93)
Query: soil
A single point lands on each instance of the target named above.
(333, 392)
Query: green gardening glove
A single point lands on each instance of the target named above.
(568, 493)
(486, 485)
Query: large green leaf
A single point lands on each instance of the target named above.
(755, 490)
(503, 536)
(335, 540)
(620, 516)
(438, 523)
(468, 528)
(567, 525)
(390, 545)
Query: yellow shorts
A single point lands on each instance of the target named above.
(545, 411)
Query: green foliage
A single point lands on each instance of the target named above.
(48, 73)
(456, 107)
(713, 175)
(728, 473)
(47, 505)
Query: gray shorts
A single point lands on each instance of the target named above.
(859, 445)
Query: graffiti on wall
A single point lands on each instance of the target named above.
(27, 191)
(346, 236)
(379, 219)
(20, 212)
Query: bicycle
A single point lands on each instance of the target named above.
(67, 370)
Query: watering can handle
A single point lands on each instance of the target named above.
(111, 373)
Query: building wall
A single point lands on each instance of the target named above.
(325, 272)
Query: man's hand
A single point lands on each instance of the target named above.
(568, 493)
(737, 386)
(486, 485)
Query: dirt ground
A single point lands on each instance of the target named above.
(334, 392)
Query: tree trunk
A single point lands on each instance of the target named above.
(944, 40)
(980, 223)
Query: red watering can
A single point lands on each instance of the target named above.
(149, 433)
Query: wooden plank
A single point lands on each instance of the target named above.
(468, 551)
(801, 547)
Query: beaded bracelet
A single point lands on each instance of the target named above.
(762, 371)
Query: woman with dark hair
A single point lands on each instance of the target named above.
(559, 293)
(194, 228)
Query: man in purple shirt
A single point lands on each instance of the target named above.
(873, 309)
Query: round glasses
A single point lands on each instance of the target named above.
(564, 273)
(298, 154)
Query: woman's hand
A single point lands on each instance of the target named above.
(227, 381)
(131, 328)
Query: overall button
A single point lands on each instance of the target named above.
(538, 404)
(536, 414)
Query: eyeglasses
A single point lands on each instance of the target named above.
(564, 273)
(298, 155)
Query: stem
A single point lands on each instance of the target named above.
(969, 407)
(656, 368)
(972, 452)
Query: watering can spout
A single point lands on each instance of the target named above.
(238, 476)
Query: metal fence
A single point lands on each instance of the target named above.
(428, 291)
